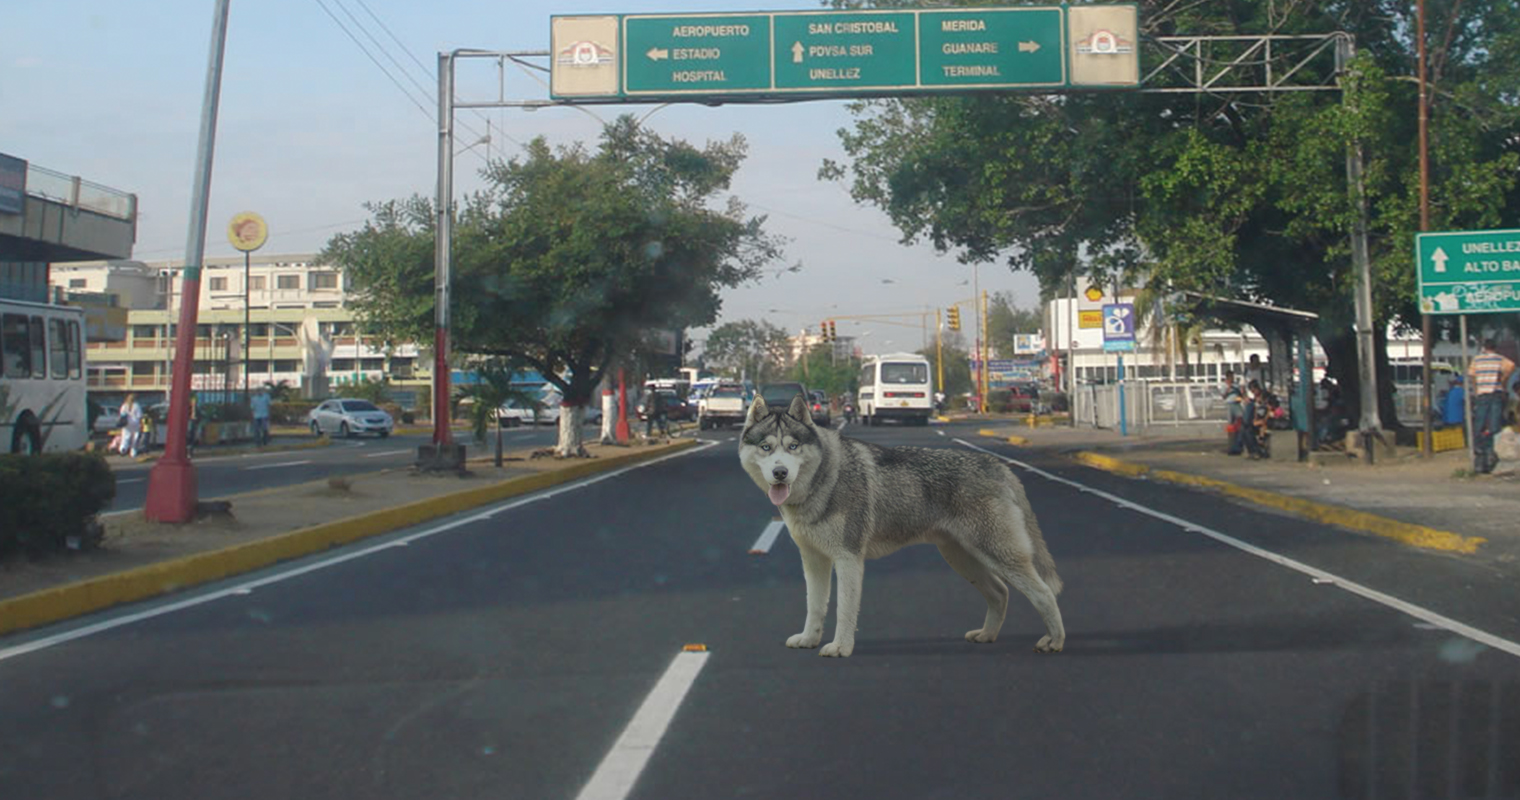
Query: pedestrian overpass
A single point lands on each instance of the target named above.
(47, 216)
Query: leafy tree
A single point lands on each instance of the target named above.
(568, 259)
(1005, 318)
(957, 367)
(494, 390)
(823, 370)
(1241, 195)
(748, 349)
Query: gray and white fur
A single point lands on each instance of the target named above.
(845, 501)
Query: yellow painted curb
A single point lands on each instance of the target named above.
(95, 594)
(1405, 532)
(1016, 440)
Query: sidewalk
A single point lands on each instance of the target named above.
(140, 559)
(1419, 493)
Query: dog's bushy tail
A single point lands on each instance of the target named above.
(1044, 565)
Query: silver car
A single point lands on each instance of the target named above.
(344, 417)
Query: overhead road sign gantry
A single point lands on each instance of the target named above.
(1469, 272)
(801, 55)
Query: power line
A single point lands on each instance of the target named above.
(423, 67)
(381, 67)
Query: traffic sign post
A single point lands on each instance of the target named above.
(1468, 272)
(1118, 327)
(756, 57)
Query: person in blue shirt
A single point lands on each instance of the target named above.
(260, 408)
(1454, 410)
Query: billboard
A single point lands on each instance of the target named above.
(12, 185)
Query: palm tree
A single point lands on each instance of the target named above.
(494, 390)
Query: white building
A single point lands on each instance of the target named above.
(300, 329)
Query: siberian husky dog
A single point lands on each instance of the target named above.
(845, 501)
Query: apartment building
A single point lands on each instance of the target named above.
(300, 329)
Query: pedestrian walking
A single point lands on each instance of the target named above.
(194, 433)
(131, 425)
(656, 414)
(1488, 374)
(259, 405)
(1234, 402)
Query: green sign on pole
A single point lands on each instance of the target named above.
(748, 57)
(1469, 272)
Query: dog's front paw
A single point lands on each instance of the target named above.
(1048, 645)
(980, 636)
(837, 650)
(804, 640)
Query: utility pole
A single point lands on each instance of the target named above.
(1426, 446)
(939, 352)
(1370, 424)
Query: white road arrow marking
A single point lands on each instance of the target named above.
(656, 54)
(797, 52)
(1439, 259)
(1029, 47)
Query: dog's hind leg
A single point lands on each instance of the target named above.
(1018, 570)
(990, 585)
(816, 568)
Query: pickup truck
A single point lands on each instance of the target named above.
(722, 404)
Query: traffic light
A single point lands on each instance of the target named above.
(954, 318)
(823, 331)
(833, 335)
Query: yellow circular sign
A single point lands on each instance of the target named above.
(247, 231)
(1094, 294)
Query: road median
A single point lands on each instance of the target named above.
(143, 560)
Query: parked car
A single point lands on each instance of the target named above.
(676, 409)
(779, 395)
(107, 418)
(1023, 398)
(349, 417)
(819, 402)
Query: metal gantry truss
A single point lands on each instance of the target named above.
(1228, 64)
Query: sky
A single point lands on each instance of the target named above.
(310, 129)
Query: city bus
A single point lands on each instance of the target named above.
(896, 386)
(42, 378)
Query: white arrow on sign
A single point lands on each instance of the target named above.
(1439, 259)
(797, 52)
(656, 54)
(1029, 47)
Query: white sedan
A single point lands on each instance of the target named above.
(345, 417)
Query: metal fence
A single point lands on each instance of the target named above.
(75, 192)
(1151, 404)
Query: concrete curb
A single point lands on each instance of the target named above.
(1405, 532)
(1014, 440)
(207, 453)
(84, 597)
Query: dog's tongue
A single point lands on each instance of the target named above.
(779, 493)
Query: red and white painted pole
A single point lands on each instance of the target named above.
(172, 489)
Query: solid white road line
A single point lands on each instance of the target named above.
(768, 538)
(246, 588)
(281, 464)
(388, 453)
(120, 481)
(1418, 612)
(620, 768)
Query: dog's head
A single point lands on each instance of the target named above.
(779, 448)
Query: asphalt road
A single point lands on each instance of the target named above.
(221, 475)
(504, 656)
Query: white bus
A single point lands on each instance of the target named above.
(42, 378)
(896, 386)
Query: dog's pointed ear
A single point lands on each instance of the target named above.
(758, 410)
(799, 411)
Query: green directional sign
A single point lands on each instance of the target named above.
(1469, 272)
(992, 48)
(846, 51)
(750, 57)
(696, 54)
